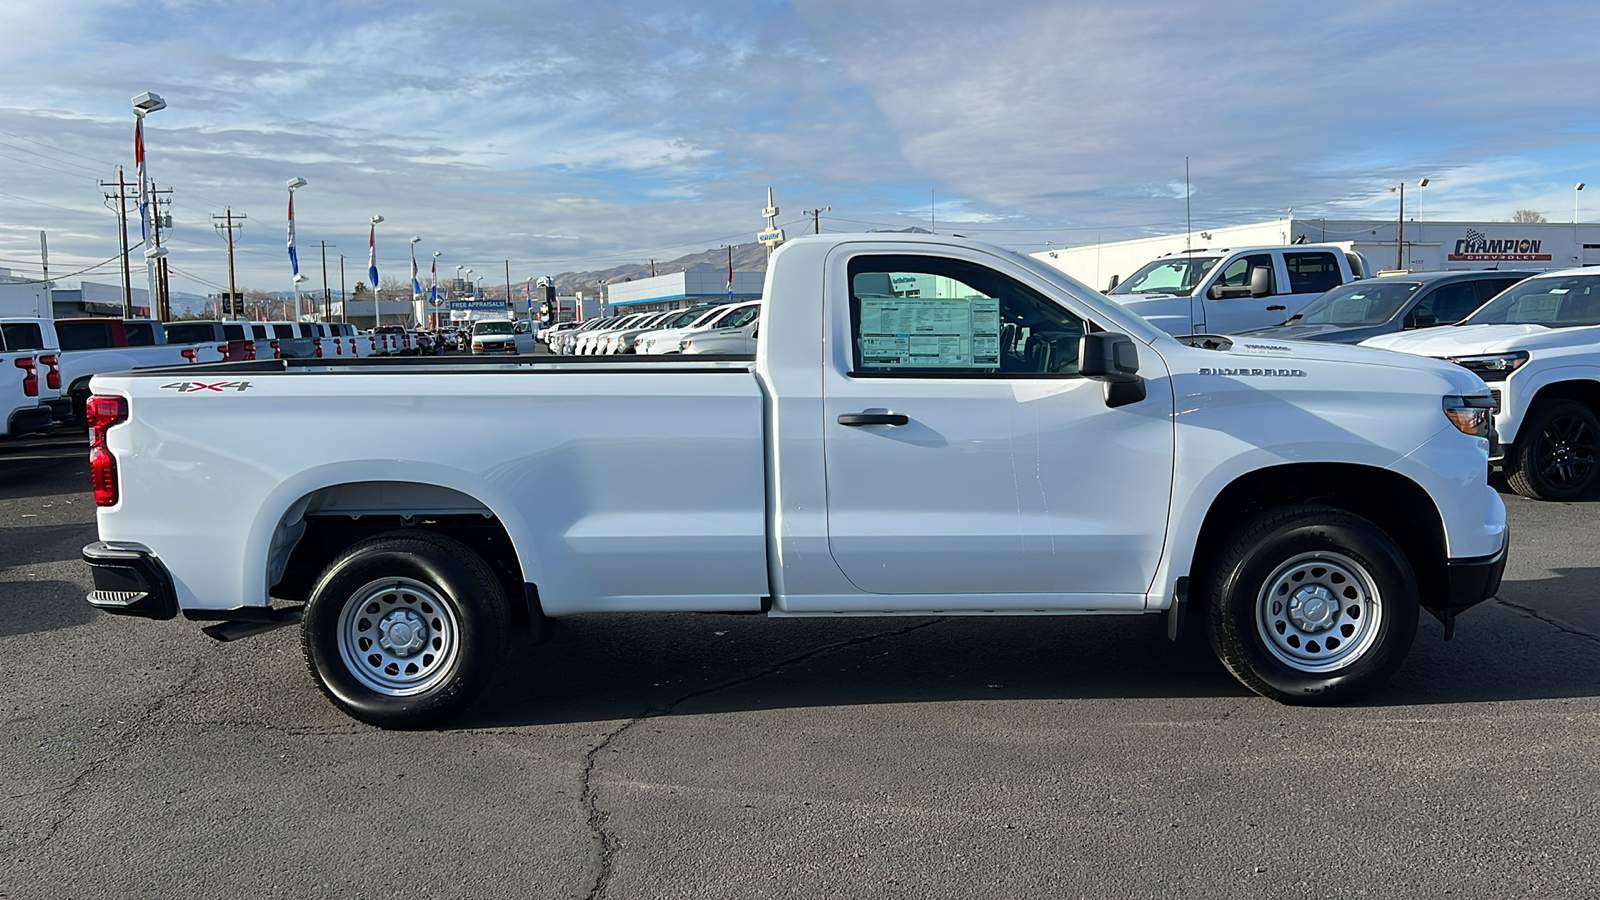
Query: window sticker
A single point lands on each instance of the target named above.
(930, 332)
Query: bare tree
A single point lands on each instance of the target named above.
(1526, 216)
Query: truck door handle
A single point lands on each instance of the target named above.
(873, 419)
(1277, 308)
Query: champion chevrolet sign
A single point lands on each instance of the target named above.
(1478, 247)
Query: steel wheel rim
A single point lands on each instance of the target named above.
(1565, 456)
(1319, 611)
(398, 636)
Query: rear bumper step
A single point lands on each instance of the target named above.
(130, 582)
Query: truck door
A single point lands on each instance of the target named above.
(1230, 304)
(964, 455)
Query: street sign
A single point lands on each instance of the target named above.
(436, 302)
(775, 236)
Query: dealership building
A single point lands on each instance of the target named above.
(695, 286)
(1418, 246)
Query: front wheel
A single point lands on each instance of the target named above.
(1554, 455)
(405, 629)
(1312, 605)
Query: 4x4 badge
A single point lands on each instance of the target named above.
(190, 387)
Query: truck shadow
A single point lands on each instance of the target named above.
(30, 606)
(599, 668)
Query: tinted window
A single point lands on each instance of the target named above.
(740, 317)
(283, 331)
(140, 334)
(21, 336)
(1312, 273)
(1489, 287)
(189, 332)
(939, 316)
(1447, 303)
(260, 332)
(233, 332)
(84, 335)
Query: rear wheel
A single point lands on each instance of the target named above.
(1312, 605)
(405, 629)
(1554, 455)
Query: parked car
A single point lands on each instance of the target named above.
(568, 345)
(29, 377)
(589, 342)
(1230, 291)
(523, 335)
(1351, 313)
(735, 332)
(665, 340)
(494, 336)
(621, 340)
(1537, 345)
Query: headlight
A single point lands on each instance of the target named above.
(1492, 366)
(1471, 415)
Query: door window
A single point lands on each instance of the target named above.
(1236, 275)
(1312, 273)
(21, 336)
(1448, 304)
(916, 315)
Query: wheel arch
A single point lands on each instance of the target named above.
(316, 518)
(1583, 390)
(1396, 504)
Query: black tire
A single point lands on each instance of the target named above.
(1271, 620)
(1554, 454)
(405, 629)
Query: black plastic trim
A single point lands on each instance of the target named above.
(1472, 581)
(29, 419)
(130, 583)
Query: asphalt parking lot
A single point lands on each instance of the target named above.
(713, 756)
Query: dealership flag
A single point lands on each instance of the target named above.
(433, 280)
(416, 286)
(144, 192)
(730, 276)
(372, 257)
(294, 261)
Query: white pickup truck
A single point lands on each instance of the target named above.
(929, 426)
(1537, 344)
(1234, 290)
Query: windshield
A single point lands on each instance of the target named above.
(493, 327)
(1174, 275)
(1551, 302)
(1358, 303)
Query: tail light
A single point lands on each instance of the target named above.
(52, 371)
(317, 344)
(338, 346)
(223, 350)
(188, 353)
(276, 353)
(102, 413)
(30, 377)
(249, 349)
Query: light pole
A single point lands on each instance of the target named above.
(1400, 236)
(143, 105)
(372, 271)
(294, 184)
(455, 289)
(1420, 185)
(1575, 189)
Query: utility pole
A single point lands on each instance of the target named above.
(816, 217)
(508, 290)
(344, 302)
(160, 308)
(327, 299)
(122, 233)
(233, 290)
(652, 267)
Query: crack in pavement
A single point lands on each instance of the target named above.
(597, 817)
(1533, 613)
(118, 746)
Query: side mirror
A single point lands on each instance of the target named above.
(1215, 291)
(1115, 280)
(1111, 358)
(1260, 281)
(1424, 321)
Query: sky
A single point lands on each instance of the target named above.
(566, 136)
